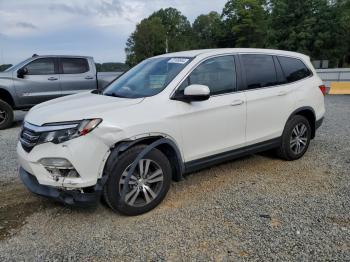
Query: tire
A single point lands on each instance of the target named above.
(158, 162)
(288, 149)
(6, 115)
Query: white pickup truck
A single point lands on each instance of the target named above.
(41, 78)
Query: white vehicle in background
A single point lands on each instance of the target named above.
(169, 115)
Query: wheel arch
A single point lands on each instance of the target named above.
(6, 97)
(309, 113)
(168, 147)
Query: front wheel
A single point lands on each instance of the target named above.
(295, 139)
(148, 184)
(6, 115)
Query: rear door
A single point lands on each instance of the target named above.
(41, 83)
(216, 125)
(77, 75)
(270, 99)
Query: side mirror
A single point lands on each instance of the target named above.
(22, 72)
(194, 93)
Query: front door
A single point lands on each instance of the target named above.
(218, 124)
(41, 83)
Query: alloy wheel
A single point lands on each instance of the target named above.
(3, 116)
(298, 139)
(145, 183)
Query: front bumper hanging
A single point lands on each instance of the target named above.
(70, 197)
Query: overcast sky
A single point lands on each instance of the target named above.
(82, 27)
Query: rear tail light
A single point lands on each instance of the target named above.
(323, 89)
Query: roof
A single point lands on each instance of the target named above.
(66, 56)
(218, 51)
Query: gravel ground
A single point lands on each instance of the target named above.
(254, 208)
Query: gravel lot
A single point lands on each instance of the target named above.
(254, 208)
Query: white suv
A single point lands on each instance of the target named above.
(168, 116)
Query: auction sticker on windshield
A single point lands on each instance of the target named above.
(178, 60)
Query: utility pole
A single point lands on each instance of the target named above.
(166, 44)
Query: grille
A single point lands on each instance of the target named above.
(28, 139)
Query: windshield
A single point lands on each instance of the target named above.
(17, 65)
(148, 78)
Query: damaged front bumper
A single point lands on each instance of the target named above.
(71, 197)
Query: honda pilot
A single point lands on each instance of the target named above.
(168, 116)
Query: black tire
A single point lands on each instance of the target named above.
(286, 151)
(6, 115)
(112, 190)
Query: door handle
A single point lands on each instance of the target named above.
(237, 102)
(52, 78)
(89, 77)
(282, 93)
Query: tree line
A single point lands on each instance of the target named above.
(318, 28)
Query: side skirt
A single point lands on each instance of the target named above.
(205, 162)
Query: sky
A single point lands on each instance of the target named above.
(97, 28)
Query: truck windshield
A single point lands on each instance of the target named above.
(148, 78)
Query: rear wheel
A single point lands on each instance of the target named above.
(295, 139)
(148, 184)
(6, 115)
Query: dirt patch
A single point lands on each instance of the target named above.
(16, 205)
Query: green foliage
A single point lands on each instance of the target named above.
(147, 40)
(208, 31)
(318, 28)
(111, 67)
(166, 26)
(4, 67)
(312, 27)
(177, 28)
(246, 22)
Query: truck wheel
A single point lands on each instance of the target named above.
(6, 115)
(148, 184)
(295, 139)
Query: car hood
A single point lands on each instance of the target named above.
(5, 75)
(76, 107)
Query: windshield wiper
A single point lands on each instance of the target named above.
(115, 95)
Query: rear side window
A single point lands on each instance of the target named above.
(74, 65)
(293, 68)
(41, 66)
(260, 70)
(218, 73)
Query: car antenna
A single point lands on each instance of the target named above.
(35, 55)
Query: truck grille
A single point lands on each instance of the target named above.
(28, 139)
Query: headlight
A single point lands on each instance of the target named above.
(68, 131)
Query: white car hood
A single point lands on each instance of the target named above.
(76, 107)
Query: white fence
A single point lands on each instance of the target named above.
(334, 75)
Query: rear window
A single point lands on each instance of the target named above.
(293, 68)
(74, 65)
(260, 70)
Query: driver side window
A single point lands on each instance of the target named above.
(218, 73)
(41, 66)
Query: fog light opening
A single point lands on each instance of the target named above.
(59, 167)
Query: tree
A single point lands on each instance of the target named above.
(343, 11)
(245, 22)
(147, 40)
(208, 31)
(111, 67)
(177, 27)
(307, 26)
